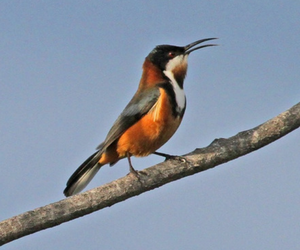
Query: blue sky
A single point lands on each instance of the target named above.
(67, 70)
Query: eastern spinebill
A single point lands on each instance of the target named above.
(150, 118)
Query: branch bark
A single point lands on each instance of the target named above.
(218, 152)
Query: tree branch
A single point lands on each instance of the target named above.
(218, 152)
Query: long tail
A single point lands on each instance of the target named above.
(83, 175)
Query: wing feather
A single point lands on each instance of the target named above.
(139, 105)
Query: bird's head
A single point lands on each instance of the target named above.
(171, 61)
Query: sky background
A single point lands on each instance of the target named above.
(67, 70)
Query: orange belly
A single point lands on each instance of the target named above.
(147, 135)
(151, 132)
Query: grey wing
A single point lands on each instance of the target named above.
(139, 105)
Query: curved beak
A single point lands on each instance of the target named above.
(189, 48)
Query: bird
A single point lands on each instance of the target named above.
(150, 118)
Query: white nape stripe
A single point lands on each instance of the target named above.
(171, 65)
(179, 92)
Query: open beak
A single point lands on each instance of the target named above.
(189, 48)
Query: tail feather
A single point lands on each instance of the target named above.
(83, 175)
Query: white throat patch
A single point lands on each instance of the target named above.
(179, 92)
(176, 61)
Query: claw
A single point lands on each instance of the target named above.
(169, 157)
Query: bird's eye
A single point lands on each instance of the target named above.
(171, 54)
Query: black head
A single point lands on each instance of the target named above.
(162, 54)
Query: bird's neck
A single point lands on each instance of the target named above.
(151, 75)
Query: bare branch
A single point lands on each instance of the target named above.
(218, 152)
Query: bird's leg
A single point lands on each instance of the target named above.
(168, 157)
(131, 169)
